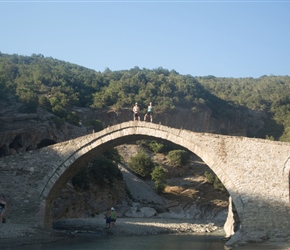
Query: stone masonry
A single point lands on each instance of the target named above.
(254, 171)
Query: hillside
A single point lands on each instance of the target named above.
(243, 106)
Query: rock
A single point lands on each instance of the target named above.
(229, 224)
(134, 212)
(171, 215)
(139, 190)
(148, 211)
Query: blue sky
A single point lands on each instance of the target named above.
(199, 38)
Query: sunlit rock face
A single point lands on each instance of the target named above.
(20, 132)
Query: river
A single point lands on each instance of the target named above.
(155, 242)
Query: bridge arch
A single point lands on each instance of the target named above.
(98, 143)
(255, 172)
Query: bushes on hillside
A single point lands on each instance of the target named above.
(177, 158)
(159, 177)
(141, 164)
(103, 169)
(214, 180)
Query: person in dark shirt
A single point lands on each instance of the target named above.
(108, 218)
(149, 112)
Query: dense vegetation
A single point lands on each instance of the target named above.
(269, 94)
(103, 170)
(141, 164)
(57, 86)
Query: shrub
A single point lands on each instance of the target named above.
(29, 99)
(113, 155)
(59, 111)
(101, 170)
(159, 177)
(209, 176)
(44, 103)
(178, 157)
(73, 118)
(105, 170)
(214, 180)
(141, 164)
(153, 146)
(156, 147)
(96, 125)
(80, 180)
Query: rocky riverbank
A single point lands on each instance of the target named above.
(136, 226)
(13, 235)
(16, 235)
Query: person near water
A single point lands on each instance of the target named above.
(108, 217)
(136, 112)
(149, 112)
(3, 206)
(113, 218)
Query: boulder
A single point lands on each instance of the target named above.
(148, 211)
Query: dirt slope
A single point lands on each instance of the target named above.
(185, 185)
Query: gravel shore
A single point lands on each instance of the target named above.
(137, 226)
(12, 235)
(15, 235)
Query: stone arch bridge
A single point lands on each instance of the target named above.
(254, 171)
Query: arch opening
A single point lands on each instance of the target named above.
(85, 159)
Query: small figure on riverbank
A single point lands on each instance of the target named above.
(136, 112)
(113, 218)
(108, 217)
(149, 112)
(3, 206)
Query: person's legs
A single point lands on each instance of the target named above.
(108, 222)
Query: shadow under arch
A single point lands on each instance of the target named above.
(92, 145)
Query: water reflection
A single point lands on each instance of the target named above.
(155, 242)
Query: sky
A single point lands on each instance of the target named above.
(198, 38)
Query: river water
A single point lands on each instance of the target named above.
(155, 242)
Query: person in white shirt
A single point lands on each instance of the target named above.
(136, 112)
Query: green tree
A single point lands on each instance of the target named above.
(101, 170)
(29, 99)
(159, 177)
(214, 180)
(141, 164)
(105, 170)
(178, 157)
(73, 118)
(96, 125)
(44, 102)
(59, 111)
(156, 147)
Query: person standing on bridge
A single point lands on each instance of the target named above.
(136, 112)
(3, 206)
(149, 112)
